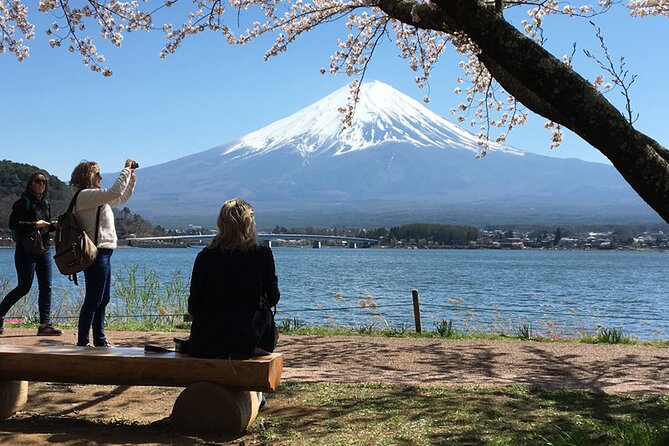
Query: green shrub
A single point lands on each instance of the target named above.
(444, 328)
(367, 328)
(611, 335)
(288, 325)
(525, 332)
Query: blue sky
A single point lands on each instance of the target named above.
(54, 112)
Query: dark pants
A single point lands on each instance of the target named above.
(27, 264)
(98, 290)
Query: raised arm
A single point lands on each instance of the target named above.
(92, 198)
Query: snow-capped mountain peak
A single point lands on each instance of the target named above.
(398, 163)
(382, 115)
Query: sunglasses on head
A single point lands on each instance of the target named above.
(39, 181)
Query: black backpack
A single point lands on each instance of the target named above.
(74, 249)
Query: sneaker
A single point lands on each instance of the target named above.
(105, 344)
(48, 330)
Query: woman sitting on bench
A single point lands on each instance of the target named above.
(232, 291)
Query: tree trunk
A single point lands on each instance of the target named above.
(550, 88)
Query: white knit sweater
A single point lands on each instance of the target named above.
(87, 205)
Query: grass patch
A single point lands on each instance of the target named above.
(374, 414)
(362, 330)
(134, 325)
(445, 330)
(612, 335)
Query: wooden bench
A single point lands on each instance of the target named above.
(219, 395)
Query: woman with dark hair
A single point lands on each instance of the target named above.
(30, 222)
(233, 288)
(93, 209)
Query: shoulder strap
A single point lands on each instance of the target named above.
(27, 202)
(97, 225)
(70, 208)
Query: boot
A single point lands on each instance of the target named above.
(48, 330)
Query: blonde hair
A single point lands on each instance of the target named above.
(82, 175)
(236, 227)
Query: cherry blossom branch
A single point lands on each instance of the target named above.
(14, 16)
(643, 8)
(486, 137)
(355, 86)
(85, 47)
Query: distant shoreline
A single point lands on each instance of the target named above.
(641, 249)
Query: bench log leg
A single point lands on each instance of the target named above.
(212, 408)
(13, 396)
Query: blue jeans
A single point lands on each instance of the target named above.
(98, 284)
(27, 264)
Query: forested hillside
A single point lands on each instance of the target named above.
(436, 233)
(13, 177)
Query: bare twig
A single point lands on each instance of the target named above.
(621, 76)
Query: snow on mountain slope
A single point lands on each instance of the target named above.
(383, 115)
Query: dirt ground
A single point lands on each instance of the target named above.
(74, 414)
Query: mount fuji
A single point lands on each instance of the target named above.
(398, 162)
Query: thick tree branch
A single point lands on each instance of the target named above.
(421, 15)
(551, 88)
(526, 96)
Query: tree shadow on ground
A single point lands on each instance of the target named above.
(408, 415)
(444, 362)
(41, 429)
(370, 414)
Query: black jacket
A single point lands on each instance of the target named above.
(26, 211)
(231, 296)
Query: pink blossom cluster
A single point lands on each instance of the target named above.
(489, 106)
(485, 105)
(540, 9)
(600, 84)
(556, 133)
(13, 17)
(643, 8)
(112, 18)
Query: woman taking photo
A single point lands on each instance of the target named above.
(31, 222)
(233, 288)
(93, 209)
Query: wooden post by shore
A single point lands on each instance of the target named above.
(416, 310)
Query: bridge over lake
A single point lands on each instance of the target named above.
(263, 237)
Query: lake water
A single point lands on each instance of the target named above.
(554, 292)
